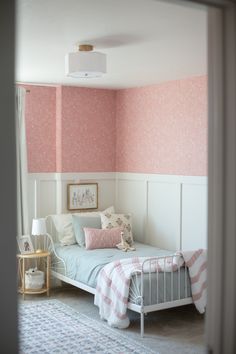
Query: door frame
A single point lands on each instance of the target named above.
(221, 298)
(221, 305)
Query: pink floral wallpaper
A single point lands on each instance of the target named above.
(40, 110)
(163, 128)
(58, 128)
(156, 129)
(87, 130)
(70, 129)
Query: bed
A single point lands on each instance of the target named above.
(149, 290)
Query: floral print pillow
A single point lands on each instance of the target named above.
(119, 220)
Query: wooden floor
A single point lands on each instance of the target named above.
(178, 331)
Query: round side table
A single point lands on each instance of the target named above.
(22, 258)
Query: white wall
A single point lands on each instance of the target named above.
(48, 191)
(168, 211)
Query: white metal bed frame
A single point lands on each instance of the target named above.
(136, 297)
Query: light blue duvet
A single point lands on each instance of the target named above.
(84, 265)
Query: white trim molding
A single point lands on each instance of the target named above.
(75, 176)
(161, 178)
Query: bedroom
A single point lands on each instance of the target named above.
(220, 324)
(148, 127)
(167, 107)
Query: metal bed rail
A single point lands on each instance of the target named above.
(153, 270)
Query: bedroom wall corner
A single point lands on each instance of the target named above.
(78, 120)
(161, 202)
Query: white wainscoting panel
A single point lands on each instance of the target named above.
(32, 198)
(106, 192)
(42, 189)
(131, 198)
(48, 198)
(168, 211)
(163, 215)
(48, 191)
(194, 216)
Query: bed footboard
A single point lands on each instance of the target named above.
(160, 284)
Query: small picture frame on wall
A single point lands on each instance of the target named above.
(82, 196)
(25, 244)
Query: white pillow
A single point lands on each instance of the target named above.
(119, 220)
(59, 222)
(66, 233)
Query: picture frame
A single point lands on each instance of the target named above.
(82, 196)
(25, 244)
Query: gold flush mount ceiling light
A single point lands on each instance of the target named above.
(85, 63)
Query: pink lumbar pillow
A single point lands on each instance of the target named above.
(101, 238)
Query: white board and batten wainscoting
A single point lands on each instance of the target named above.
(48, 191)
(168, 211)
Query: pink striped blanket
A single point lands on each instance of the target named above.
(112, 291)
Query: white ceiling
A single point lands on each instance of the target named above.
(146, 41)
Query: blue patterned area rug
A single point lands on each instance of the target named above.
(52, 327)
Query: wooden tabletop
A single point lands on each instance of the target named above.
(34, 255)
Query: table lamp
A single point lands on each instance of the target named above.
(38, 229)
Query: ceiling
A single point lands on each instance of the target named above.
(146, 41)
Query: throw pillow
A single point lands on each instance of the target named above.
(79, 222)
(58, 223)
(108, 211)
(64, 228)
(119, 220)
(101, 238)
(68, 235)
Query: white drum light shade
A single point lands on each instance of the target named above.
(85, 64)
(39, 227)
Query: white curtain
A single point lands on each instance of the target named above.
(22, 168)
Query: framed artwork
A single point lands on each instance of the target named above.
(82, 196)
(25, 244)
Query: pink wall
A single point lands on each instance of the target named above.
(70, 129)
(163, 128)
(155, 129)
(59, 129)
(88, 130)
(40, 110)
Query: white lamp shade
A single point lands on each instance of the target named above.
(84, 64)
(39, 227)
